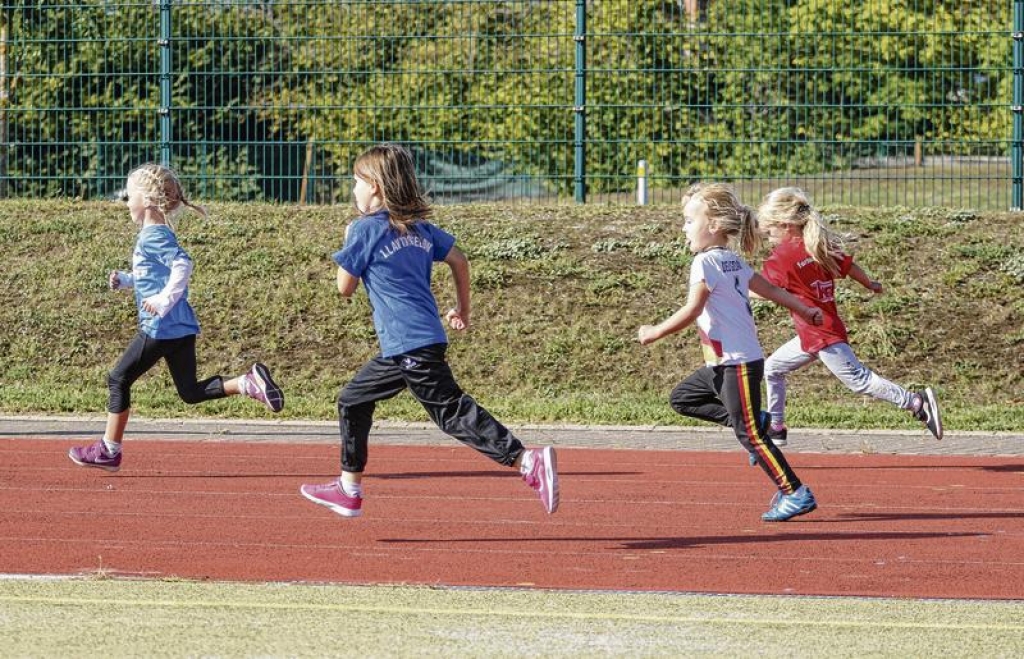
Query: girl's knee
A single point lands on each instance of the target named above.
(192, 397)
(680, 407)
(120, 393)
(859, 381)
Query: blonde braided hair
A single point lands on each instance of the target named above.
(162, 190)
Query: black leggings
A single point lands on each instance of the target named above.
(428, 377)
(142, 353)
(731, 396)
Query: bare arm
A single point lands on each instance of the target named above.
(864, 279)
(695, 301)
(347, 284)
(769, 291)
(458, 318)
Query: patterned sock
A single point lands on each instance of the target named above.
(243, 385)
(918, 403)
(112, 448)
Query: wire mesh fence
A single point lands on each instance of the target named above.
(869, 103)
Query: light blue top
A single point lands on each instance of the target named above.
(396, 269)
(155, 250)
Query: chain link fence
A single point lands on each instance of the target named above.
(868, 103)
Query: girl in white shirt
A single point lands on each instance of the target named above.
(727, 389)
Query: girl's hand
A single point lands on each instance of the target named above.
(457, 320)
(158, 305)
(646, 334)
(113, 280)
(875, 287)
(813, 315)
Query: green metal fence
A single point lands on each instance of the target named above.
(894, 102)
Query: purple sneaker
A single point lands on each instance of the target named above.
(332, 496)
(542, 475)
(258, 385)
(95, 455)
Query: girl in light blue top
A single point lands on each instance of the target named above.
(167, 324)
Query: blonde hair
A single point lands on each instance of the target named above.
(728, 214)
(390, 168)
(162, 190)
(793, 206)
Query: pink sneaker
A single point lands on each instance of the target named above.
(542, 475)
(332, 496)
(258, 385)
(95, 455)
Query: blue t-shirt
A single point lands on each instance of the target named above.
(396, 269)
(155, 250)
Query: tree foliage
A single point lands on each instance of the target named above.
(759, 87)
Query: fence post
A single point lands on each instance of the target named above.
(101, 173)
(4, 99)
(1017, 145)
(165, 82)
(305, 189)
(641, 183)
(579, 104)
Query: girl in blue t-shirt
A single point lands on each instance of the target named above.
(391, 248)
(167, 324)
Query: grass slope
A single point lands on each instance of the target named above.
(558, 294)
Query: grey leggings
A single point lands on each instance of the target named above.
(839, 359)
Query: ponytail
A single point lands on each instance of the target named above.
(729, 215)
(792, 206)
(749, 236)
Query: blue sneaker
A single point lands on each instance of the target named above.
(788, 506)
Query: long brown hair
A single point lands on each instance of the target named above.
(726, 212)
(793, 206)
(390, 168)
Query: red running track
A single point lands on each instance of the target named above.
(891, 526)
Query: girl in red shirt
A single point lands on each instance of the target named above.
(806, 260)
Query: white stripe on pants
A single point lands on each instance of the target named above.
(839, 359)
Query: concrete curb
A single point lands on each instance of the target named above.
(809, 440)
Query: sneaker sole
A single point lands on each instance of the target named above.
(275, 397)
(110, 468)
(811, 509)
(551, 477)
(340, 510)
(933, 405)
